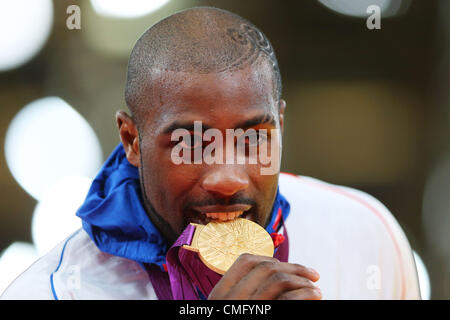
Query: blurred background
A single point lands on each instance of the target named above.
(366, 108)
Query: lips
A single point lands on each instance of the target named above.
(223, 213)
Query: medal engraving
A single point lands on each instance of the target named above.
(219, 244)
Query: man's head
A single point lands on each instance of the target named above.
(208, 65)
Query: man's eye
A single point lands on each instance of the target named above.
(191, 142)
(255, 139)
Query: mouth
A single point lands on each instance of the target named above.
(222, 213)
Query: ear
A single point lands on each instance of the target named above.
(281, 108)
(129, 136)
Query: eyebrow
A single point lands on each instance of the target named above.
(266, 118)
(189, 125)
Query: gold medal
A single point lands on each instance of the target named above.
(219, 244)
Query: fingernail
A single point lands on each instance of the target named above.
(314, 271)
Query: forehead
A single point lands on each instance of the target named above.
(214, 98)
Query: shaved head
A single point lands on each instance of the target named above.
(199, 40)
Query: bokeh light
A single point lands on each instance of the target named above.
(112, 27)
(126, 9)
(14, 260)
(48, 140)
(54, 217)
(24, 28)
(358, 8)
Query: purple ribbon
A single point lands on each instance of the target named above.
(187, 275)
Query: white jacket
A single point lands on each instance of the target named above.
(349, 237)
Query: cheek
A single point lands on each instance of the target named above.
(153, 173)
(265, 188)
(166, 184)
(268, 192)
(263, 183)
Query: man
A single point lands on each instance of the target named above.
(209, 66)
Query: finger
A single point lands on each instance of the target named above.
(240, 268)
(280, 283)
(303, 271)
(302, 294)
(269, 270)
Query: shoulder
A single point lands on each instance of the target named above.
(357, 232)
(34, 282)
(317, 200)
(77, 269)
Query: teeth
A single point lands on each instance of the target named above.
(224, 216)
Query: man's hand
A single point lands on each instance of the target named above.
(265, 278)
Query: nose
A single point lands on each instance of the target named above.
(226, 180)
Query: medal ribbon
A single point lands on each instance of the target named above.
(186, 272)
